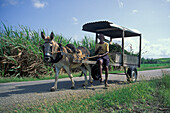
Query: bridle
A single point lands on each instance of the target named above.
(58, 56)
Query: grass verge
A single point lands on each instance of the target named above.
(47, 77)
(153, 66)
(146, 96)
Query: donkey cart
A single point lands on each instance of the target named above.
(119, 59)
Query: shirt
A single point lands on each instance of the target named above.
(104, 49)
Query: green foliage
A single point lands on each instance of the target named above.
(164, 60)
(149, 61)
(153, 66)
(114, 47)
(89, 43)
(20, 52)
(154, 61)
(62, 40)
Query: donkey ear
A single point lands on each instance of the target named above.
(42, 35)
(52, 36)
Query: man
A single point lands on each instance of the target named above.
(102, 50)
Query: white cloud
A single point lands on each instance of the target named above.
(157, 49)
(120, 4)
(169, 16)
(135, 11)
(168, 0)
(75, 20)
(39, 4)
(9, 2)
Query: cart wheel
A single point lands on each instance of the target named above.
(131, 74)
(95, 72)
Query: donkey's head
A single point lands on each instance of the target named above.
(49, 47)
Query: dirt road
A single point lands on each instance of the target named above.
(35, 92)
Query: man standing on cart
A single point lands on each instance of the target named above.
(102, 50)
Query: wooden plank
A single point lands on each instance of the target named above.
(96, 38)
(89, 62)
(125, 65)
(128, 59)
(85, 61)
(123, 46)
(140, 45)
(115, 64)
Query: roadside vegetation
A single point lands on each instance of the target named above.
(21, 57)
(153, 66)
(145, 96)
(155, 61)
(21, 53)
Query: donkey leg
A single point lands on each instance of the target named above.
(89, 69)
(71, 77)
(85, 75)
(56, 79)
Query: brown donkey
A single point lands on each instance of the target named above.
(57, 54)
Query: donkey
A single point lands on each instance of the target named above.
(55, 53)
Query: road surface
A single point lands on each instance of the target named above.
(34, 92)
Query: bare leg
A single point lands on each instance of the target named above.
(100, 67)
(106, 76)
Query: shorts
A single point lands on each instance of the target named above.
(105, 60)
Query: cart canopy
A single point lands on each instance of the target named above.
(109, 29)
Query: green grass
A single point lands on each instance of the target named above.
(153, 66)
(146, 96)
(146, 67)
(44, 77)
(51, 76)
(21, 51)
(164, 60)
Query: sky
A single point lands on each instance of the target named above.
(66, 18)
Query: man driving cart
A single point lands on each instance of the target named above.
(102, 50)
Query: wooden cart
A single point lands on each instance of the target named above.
(128, 62)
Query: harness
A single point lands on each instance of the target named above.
(59, 55)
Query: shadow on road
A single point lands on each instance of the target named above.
(45, 87)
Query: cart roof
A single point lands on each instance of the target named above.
(109, 29)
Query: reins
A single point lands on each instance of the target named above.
(72, 53)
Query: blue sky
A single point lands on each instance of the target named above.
(66, 17)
